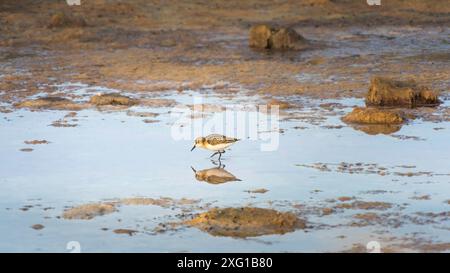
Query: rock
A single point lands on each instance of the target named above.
(89, 211)
(112, 99)
(361, 115)
(259, 36)
(263, 36)
(246, 222)
(51, 103)
(375, 121)
(389, 92)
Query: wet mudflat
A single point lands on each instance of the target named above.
(132, 187)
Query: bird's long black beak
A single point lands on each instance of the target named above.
(193, 148)
(193, 169)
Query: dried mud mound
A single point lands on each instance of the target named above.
(51, 103)
(246, 222)
(263, 36)
(374, 121)
(362, 115)
(112, 99)
(389, 92)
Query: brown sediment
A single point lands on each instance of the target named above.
(138, 50)
(62, 19)
(156, 103)
(366, 168)
(112, 99)
(36, 142)
(5, 110)
(287, 38)
(327, 211)
(142, 114)
(89, 211)
(209, 108)
(71, 115)
(37, 226)
(265, 37)
(282, 105)
(332, 126)
(26, 150)
(405, 137)
(51, 103)
(63, 123)
(421, 197)
(411, 174)
(435, 247)
(246, 222)
(345, 198)
(364, 205)
(261, 190)
(129, 232)
(370, 216)
(150, 120)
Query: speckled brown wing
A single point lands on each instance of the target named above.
(216, 139)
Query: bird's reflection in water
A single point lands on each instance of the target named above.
(216, 175)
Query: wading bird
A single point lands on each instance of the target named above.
(214, 142)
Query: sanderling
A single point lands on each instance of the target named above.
(214, 142)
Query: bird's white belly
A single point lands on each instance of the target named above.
(218, 147)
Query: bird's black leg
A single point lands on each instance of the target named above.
(214, 154)
(220, 155)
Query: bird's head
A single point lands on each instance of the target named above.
(199, 142)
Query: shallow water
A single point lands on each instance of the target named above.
(110, 154)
